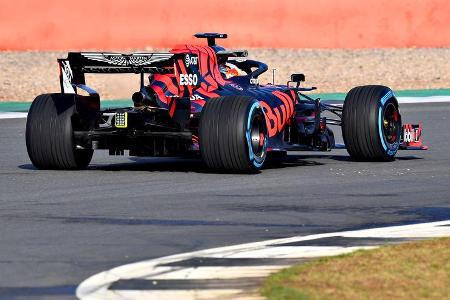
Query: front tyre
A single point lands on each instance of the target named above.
(233, 134)
(371, 123)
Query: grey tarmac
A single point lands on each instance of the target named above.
(59, 227)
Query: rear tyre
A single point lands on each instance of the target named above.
(233, 134)
(371, 123)
(49, 134)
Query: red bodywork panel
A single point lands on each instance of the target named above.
(278, 102)
(412, 137)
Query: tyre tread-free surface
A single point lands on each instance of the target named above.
(360, 123)
(49, 134)
(222, 135)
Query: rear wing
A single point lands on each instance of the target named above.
(73, 68)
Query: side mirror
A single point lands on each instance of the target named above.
(298, 77)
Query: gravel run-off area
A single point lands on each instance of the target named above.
(24, 75)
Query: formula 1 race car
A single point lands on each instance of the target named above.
(207, 100)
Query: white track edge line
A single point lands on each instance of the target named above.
(99, 281)
(401, 100)
(13, 115)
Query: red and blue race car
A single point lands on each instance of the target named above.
(207, 100)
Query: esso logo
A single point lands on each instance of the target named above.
(188, 79)
(190, 60)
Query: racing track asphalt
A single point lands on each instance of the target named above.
(58, 227)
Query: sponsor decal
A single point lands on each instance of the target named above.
(196, 97)
(67, 70)
(254, 81)
(412, 134)
(277, 117)
(125, 60)
(188, 79)
(236, 86)
(190, 60)
(67, 76)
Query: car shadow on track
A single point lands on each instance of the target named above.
(349, 159)
(195, 165)
(184, 165)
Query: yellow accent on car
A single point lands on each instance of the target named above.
(121, 119)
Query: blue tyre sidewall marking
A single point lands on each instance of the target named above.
(252, 157)
(394, 147)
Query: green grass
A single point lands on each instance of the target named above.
(419, 270)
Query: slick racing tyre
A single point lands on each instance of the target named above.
(371, 123)
(49, 134)
(233, 134)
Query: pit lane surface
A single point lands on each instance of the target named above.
(59, 227)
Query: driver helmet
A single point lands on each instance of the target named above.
(229, 70)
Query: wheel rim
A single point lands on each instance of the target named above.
(258, 134)
(391, 123)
